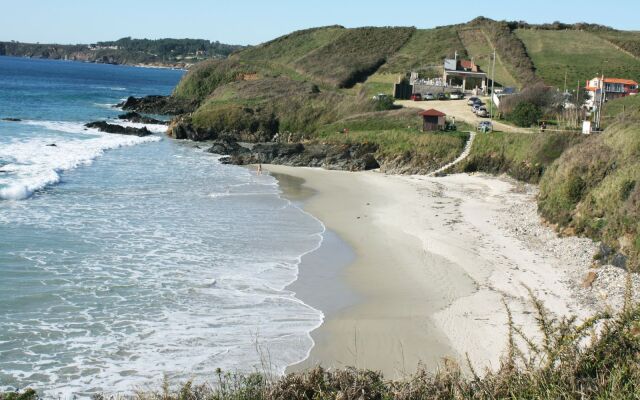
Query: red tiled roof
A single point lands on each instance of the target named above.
(623, 81)
(467, 64)
(432, 113)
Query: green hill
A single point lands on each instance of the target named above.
(580, 54)
(592, 189)
(316, 83)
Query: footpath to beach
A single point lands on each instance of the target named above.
(434, 260)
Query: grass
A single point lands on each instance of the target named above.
(592, 188)
(376, 83)
(354, 55)
(425, 48)
(524, 156)
(582, 55)
(509, 49)
(479, 48)
(289, 48)
(628, 41)
(619, 108)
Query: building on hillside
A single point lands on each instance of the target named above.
(433, 120)
(613, 88)
(463, 71)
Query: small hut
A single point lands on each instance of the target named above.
(433, 120)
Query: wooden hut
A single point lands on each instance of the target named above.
(433, 120)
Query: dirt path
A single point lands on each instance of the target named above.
(458, 109)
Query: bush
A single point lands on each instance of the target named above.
(384, 103)
(525, 114)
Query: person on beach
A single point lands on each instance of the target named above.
(259, 169)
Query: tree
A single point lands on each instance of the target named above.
(525, 114)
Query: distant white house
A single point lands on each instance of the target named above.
(612, 88)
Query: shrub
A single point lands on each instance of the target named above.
(525, 114)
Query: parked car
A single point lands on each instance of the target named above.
(416, 97)
(472, 100)
(475, 108)
(442, 96)
(482, 112)
(456, 95)
(485, 126)
(429, 96)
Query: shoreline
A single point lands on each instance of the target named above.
(434, 257)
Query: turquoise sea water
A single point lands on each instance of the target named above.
(125, 258)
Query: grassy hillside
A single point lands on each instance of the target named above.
(592, 188)
(509, 48)
(425, 48)
(582, 55)
(480, 49)
(354, 55)
(628, 41)
(289, 48)
(619, 109)
(520, 155)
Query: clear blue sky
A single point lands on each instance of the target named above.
(254, 21)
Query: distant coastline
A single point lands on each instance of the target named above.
(160, 53)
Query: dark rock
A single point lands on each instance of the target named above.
(121, 130)
(165, 105)
(619, 260)
(227, 147)
(12, 119)
(52, 145)
(608, 255)
(182, 128)
(350, 157)
(135, 117)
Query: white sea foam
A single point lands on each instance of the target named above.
(35, 163)
(156, 128)
(130, 292)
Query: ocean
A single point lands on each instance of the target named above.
(126, 259)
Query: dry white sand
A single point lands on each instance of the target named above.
(434, 259)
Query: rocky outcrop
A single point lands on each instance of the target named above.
(121, 130)
(182, 128)
(165, 105)
(133, 116)
(227, 147)
(349, 157)
(11, 119)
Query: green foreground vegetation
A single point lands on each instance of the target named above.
(598, 358)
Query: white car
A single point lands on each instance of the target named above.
(456, 95)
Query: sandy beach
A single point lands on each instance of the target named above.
(433, 259)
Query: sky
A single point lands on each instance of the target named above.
(253, 21)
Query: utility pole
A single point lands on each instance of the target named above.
(493, 75)
(565, 82)
(600, 102)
